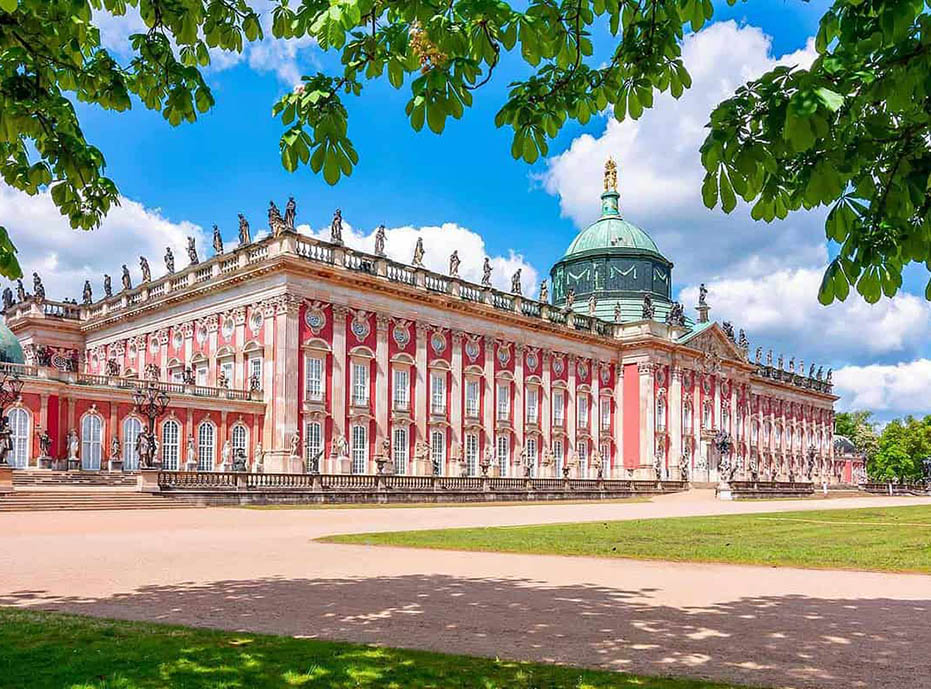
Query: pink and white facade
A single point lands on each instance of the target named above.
(359, 357)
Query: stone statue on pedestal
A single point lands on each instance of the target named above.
(7, 298)
(38, 287)
(226, 455)
(169, 260)
(192, 252)
(275, 221)
(544, 292)
(87, 296)
(336, 227)
(295, 447)
(239, 460)
(190, 463)
(380, 241)
(127, 281)
(515, 282)
(290, 213)
(73, 444)
(6, 439)
(114, 448)
(486, 273)
(217, 241)
(259, 466)
(20, 291)
(45, 444)
(592, 305)
(454, 264)
(107, 287)
(338, 447)
(245, 236)
(647, 310)
(417, 260)
(144, 267)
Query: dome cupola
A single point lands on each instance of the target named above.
(615, 262)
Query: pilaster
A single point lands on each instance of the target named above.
(339, 383)
(674, 408)
(285, 350)
(382, 429)
(618, 420)
(421, 384)
(455, 402)
(647, 420)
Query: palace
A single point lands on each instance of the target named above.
(305, 355)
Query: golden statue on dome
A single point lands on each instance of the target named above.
(610, 175)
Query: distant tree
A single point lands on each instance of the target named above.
(901, 448)
(850, 132)
(859, 429)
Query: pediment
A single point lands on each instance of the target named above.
(715, 346)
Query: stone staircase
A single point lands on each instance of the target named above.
(27, 479)
(90, 498)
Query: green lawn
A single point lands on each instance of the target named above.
(54, 651)
(896, 539)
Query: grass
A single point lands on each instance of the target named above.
(56, 651)
(896, 539)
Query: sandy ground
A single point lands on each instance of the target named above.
(259, 570)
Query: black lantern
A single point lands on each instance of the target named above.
(150, 402)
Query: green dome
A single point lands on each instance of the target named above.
(10, 349)
(611, 232)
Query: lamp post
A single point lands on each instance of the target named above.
(11, 385)
(150, 402)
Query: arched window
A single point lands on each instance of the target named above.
(471, 453)
(91, 438)
(313, 443)
(531, 448)
(687, 417)
(19, 424)
(503, 452)
(400, 449)
(360, 448)
(438, 449)
(661, 412)
(206, 446)
(171, 450)
(132, 427)
(558, 456)
(583, 459)
(240, 438)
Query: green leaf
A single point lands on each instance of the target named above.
(8, 5)
(728, 198)
(709, 191)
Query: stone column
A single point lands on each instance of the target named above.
(422, 384)
(338, 387)
(455, 402)
(674, 408)
(518, 407)
(544, 403)
(618, 421)
(382, 373)
(488, 395)
(696, 419)
(647, 414)
(285, 349)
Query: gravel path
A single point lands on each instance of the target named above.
(259, 570)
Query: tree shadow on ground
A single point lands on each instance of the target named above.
(795, 641)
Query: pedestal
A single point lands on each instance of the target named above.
(115, 466)
(147, 481)
(45, 462)
(74, 464)
(6, 479)
(723, 491)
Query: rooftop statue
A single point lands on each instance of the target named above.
(486, 273)
(827, 378)
(769, 358)
(792, 364)
(88, 295)
(417, 260)
(742, 341)
(676, 315)
(290, 213)
(20, 291)
(592, 305)
(7, 298)
(702, 295)
(759, 354)
(728, 329)
(275, 221)
(570, 298)
(127, 281)
(820, 374)
(515, 282)
(617, 312)
(245, 236)
(169, 260)
(544, 292)
(336, 227)
(144, 266)
(192, 251)
(648, 310)
(217, 241)
(454, 264)
(380, 241)
(107, 287)
(610, 175)
(780, 363)
(811, 371)
(38, 287)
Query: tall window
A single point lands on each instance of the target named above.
(240, 440)
(438, 393)
(226, 371)
(19, 425)
(533, 396)
(401, 389)
(132, 427)
(91, 436)
(313, 443)
(171, 450)
(531, 449)
(725, 418)
(254, 368)
(661, 412)
(583, 458)
(206, 446)
(605, 413)
(559, 408)
(200, 374)
(360, 448)
(582, 411)
(503, 448)
(687, 417)
(558, 456)
(605, 452)
(754, 432)
(176, 375)
(706, 414)
(314, 384)
(360, 384)
(471, 453)
(504, 402)
(471, 398)
(400, 450)
(438, 449)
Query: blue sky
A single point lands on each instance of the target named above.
(465, 187)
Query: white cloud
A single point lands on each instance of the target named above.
(660, 171)
(287, 59)
(439, 242)
(65, 257)
(782, 309)
(899, 388)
